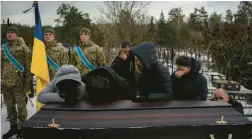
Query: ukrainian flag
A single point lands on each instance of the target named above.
(39, 66)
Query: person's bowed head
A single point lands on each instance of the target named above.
(70, 91)
(124, 50)
(187, 82)
(221, 94)
(183, 66)
(66, 87)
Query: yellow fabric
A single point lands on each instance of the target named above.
(137, 68)
(39, 67)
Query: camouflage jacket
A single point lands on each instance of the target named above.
(10, 75)
(93, 53)
(58, 54)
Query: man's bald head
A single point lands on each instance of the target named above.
(221, 90)
(221, 95)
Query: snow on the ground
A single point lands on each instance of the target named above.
(5, 125)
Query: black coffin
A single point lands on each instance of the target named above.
(129, 120)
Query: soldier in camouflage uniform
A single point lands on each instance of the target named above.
(93, 52)
(14, 82)
(55, 51)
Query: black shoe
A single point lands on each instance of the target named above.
(11, 132)
(20, 134)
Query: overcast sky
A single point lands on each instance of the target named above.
(13, 10)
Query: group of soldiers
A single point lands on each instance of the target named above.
(16, 63)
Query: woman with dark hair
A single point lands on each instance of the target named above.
(149, 79)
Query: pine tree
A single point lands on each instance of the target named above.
(161, 35)
(151, 30)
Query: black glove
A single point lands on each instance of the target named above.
(68, 90)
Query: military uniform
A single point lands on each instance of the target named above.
(93, 53)
(58, 54)
(15, 83)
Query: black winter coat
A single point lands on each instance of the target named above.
(124, 67)
(104, 84)
(155, 82)
(236, 105)
(192, 86)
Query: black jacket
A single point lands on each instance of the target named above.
(123, 68)
(104, 84)
(192, 86)
(155, 82)
(236, 105)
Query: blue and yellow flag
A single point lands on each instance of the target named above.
(39, 66)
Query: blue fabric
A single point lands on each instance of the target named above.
(52, 63)
(38, 26)
(12, 59)
(83, 58)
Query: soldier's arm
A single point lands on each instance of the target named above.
(27, 66)
(2, 55)
(101, 60)
(64, 57)
(73, 57)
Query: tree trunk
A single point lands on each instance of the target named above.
(229, 73)
(195, 55)
(208, 64)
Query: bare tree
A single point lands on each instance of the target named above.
(229, 46)
(128, 18)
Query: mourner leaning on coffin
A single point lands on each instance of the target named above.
(103, 84)
(66, 86)
(150, 79)
(222, 95)
(122, 63)
(187, 82)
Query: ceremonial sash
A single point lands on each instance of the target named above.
(12, 59)
(83, 58)
(52, 63)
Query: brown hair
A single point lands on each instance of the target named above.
(184, 61)
(126, 43)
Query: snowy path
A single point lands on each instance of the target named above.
(5, 126)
